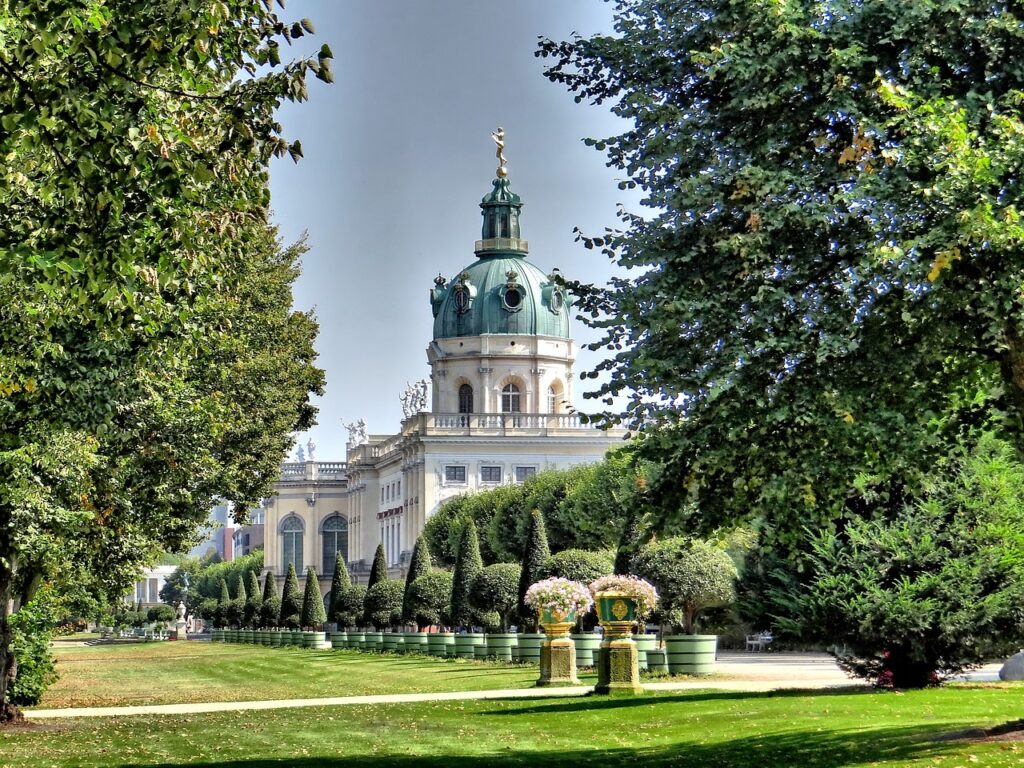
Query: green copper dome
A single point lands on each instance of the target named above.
(501, 292)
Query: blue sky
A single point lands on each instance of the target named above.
(397, 156)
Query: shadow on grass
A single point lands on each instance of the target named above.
(808, 749)
(594, 702)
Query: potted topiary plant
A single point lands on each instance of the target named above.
(496, 591)
(691, 575)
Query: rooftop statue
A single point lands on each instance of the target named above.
(499, 152)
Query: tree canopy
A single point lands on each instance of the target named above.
(826, 282)
(149, 357)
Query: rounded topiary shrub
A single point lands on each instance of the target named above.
(690, 575)
(580, 565)
(496, 591)
(429, 598)
(383, 603)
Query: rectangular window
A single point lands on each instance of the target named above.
(524, 472)
(490, 474)
(455, 474)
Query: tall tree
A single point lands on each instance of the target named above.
(291, 601)
(827, 283)
(313, 614)
(133, 223)
(535, 556)
(468, 565)
(419, 565)
(379, 569)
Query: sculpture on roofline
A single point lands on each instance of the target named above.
(310, 448)
(356, 433)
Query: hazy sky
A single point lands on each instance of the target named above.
(398, 155)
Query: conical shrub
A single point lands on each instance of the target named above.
(340, 584)
(534, 556)
(468, 565)
(270, 611)
(291, 601)
(313, 614)
(379, 569)
(420, 565)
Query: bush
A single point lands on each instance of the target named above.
(161, 614)
(340, 584)
(383, 603)
(690, 575)
(313, 614)
(291, 601)
(935, 588)
(430, 597)
(32, 626)
(208, 610)
(579, 565)
(496, 590)
(220, 617)
(236, 608)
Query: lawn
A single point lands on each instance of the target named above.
(738, 730)
(170, 673)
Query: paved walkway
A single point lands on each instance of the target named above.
(746, 672)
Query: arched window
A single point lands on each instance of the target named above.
(465, 399)
(334, 535)
(555, 398)
(510, 399)
(291, 542)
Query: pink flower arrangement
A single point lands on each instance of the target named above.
(641, 592)
(559, 596)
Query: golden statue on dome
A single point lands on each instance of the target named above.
(499, 152)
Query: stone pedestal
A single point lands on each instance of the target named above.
(557, 662)
(179, 630)
(617, 667)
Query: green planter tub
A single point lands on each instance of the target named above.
(389, 641)
(501, 644)
(275, 638)
(268, 637)
(480, 652)
(587, 645)
(691, 654)
(656, 660)
(465, 644)
(529, 647)
(439, 642)
(339, 640)
(374, 641)
(416, 642)
(644, 643)
(356, 639)
(315, 640)
(217, 635)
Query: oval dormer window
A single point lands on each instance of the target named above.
(557, 302)
(512, 299)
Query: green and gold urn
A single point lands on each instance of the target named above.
(615, 607)
(556, 623)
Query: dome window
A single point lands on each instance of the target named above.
(512, 293)
(462, 294)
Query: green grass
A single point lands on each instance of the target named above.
(738, 730)
(171, 673)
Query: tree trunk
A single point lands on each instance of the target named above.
(8, 663)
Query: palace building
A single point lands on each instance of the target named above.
(498, 411)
